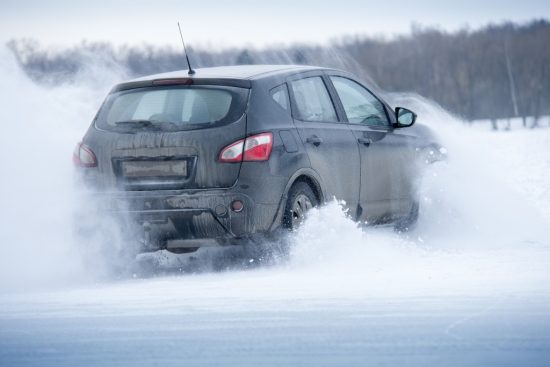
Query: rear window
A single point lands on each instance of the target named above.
(172, 107)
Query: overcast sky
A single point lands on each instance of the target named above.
(245, 22)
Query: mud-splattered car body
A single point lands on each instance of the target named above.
(210, 158)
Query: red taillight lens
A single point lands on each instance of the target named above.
(83, 156)
(258, 147)
(254, 148)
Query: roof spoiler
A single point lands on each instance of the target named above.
(241, 83)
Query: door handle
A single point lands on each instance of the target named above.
(315, 140)
(365, 141)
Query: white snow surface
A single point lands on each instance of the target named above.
(470, 285)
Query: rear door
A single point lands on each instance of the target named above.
(330, 144)
(169, 137)
(387, 169)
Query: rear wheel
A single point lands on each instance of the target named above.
(301, 199)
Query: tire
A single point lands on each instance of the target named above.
(301, 198)
(408, 222)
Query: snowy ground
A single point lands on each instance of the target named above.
(469, 286)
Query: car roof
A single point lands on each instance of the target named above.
(250, 72)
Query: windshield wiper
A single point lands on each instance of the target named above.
(148, 124)
(140, 123)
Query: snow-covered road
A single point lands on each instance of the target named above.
(159, 323)
(470, 285)
(427, 313)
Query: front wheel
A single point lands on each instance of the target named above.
(408, 222)
(301, 199)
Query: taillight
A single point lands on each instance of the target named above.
(83, 156)
(232, 152)
(254, 148)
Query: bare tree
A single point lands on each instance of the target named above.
(496, 72)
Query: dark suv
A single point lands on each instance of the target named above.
(231, 152)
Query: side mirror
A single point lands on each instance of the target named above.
(405, 117)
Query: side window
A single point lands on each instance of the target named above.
(280, 95)
(361, 106)
(313, 102)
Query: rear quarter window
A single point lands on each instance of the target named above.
(280, 95)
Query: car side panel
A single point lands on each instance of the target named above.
(387, 173)
(388, 166)
(335, 159)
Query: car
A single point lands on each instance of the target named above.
(231, 153)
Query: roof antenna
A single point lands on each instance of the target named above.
(191, 71)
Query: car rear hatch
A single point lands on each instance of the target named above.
(167, 134)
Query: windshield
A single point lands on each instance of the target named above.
(172, 107)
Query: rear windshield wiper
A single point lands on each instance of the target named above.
(138, 124)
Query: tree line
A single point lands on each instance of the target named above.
(498, 71)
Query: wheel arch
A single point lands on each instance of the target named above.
(308, 176)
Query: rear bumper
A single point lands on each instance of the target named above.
(183, 219)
